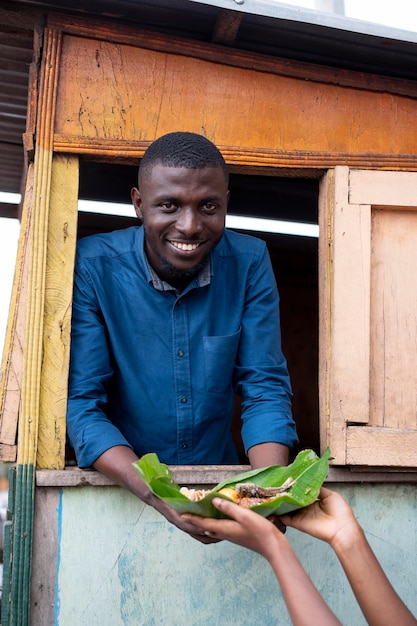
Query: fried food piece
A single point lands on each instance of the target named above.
(244, 494)
(194, 494)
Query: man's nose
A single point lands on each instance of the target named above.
(189, 222)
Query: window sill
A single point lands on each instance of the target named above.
(211, 475)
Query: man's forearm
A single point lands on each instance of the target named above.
(265, 454)
(117, 464)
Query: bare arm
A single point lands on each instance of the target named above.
(117, 464)
(265, 454)
(250, 530)
(332, 520)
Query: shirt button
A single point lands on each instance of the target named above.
(184, 446)
(184, 400)
(180, 353)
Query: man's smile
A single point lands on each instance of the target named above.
(186, 247)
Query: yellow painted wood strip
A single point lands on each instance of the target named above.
(29, 416)
(12, 362)
(61, 244)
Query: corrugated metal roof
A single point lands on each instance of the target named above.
(15, 59)
(252, 25)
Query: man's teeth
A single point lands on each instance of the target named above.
(185, 246)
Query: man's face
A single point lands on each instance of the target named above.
(183, 212)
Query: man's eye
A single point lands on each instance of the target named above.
(168, 206)
(209, 207)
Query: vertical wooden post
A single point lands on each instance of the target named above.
(61, 244)
(33, 353)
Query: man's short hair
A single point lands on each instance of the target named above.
(182, 149)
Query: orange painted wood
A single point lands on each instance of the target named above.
(111, 96)
(227, 55)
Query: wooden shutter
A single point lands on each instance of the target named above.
(368, 317)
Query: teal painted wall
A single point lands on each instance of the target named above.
(121, 564)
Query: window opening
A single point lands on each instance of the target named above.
(294, 259)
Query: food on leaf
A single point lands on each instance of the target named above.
(273, 490)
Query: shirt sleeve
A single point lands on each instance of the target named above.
(261, 374)
(90, 431)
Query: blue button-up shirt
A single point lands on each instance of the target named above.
(157, 370)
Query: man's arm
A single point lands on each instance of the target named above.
(261, 374)
(117, 464)
(265, 454)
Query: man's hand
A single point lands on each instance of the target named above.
(184, 524)
(117, 464)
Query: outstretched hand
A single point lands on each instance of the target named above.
(325, 519)
(246, 528)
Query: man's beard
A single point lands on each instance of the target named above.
(178, 273)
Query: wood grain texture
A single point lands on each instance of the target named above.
(13, 353)
(145, 93)
(60, 256)
(368, 335)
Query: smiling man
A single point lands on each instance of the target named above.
(170, 320)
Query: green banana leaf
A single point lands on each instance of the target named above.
(308, 470)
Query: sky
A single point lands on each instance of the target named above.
(399, 14)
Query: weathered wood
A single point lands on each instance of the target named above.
(212, 475)
(326, 209)
(123, 34)
(368, 359)
(381, 446)
(60, 255)
(227, 27)
(350, 310)
(46, 532)
(383, 188)
(33, 353)
(12, 363)
(182, 474)
(393, 338)
(298, 122)
(29, 410)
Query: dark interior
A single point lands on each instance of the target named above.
(294, 258)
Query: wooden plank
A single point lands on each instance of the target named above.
(210, 476)
(384, 447)
(393, 371)
(345, 302)
(8, 453)
(33, 351)
(326, 208)
(12, 362)
(292, 114)
(123, 34)
(43, 591)
(60, 255)
(182, 474)
(253, 157)
(350, 308)
(383, 188)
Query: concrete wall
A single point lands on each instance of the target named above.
(101, 557)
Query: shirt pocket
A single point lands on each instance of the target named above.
(219, 360)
